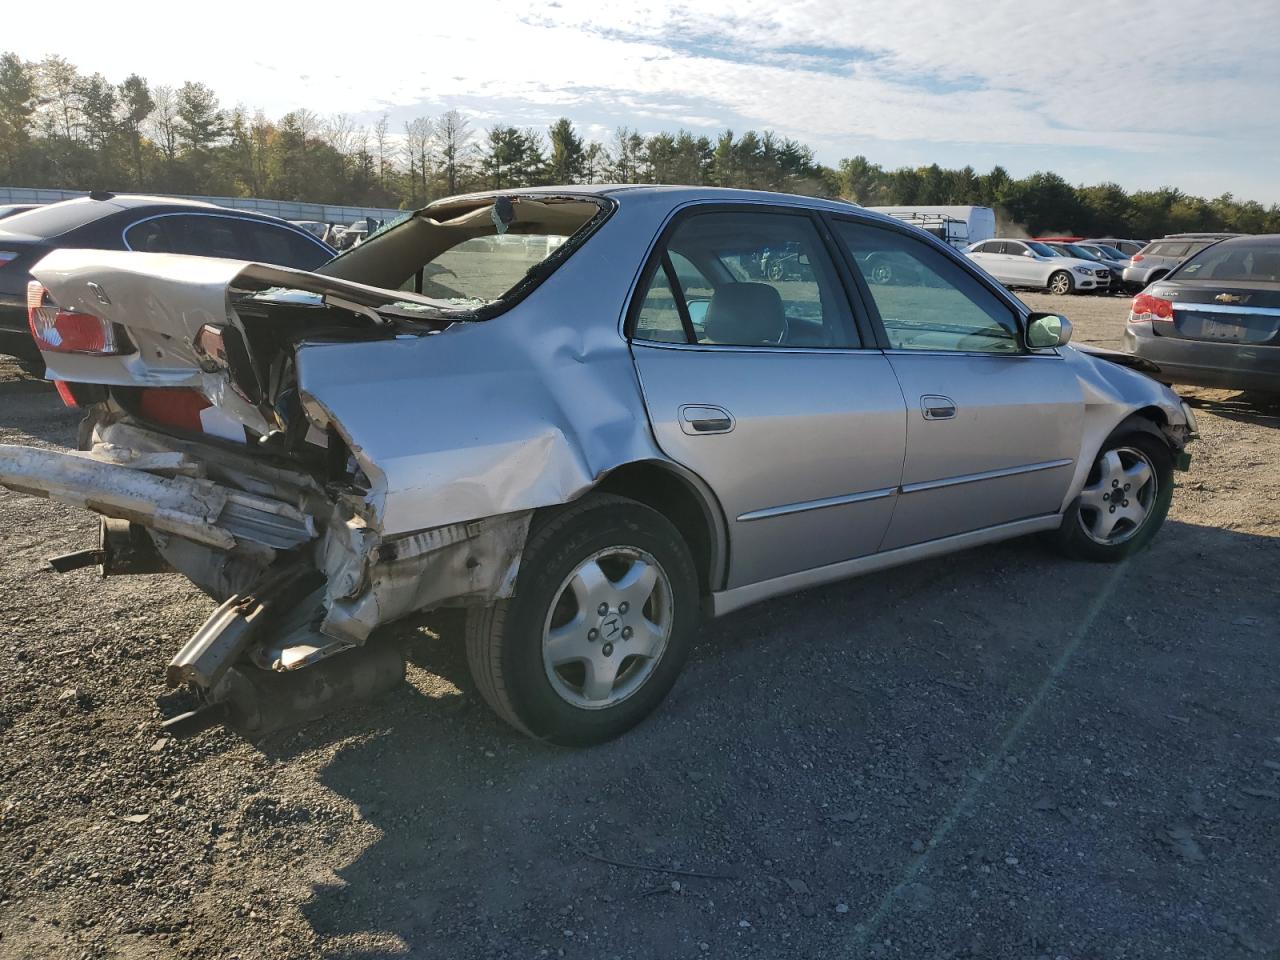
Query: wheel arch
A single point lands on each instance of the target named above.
(683, 498)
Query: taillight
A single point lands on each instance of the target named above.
(1146, 308)
(1136, 257)
(8, 256)
(173, 406)
(59, 330)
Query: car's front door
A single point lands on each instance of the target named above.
(993, 431)
(762, 387)
(1021, 267)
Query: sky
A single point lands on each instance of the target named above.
(1177, 93)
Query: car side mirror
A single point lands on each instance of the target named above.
(1047, 330)
(698, 311)
(1028, 253)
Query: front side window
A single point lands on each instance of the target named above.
(925, 300)
(745, 279)
(1013, 248)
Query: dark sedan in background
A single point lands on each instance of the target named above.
(104, 221)
(1215, 320)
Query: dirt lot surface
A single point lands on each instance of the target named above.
(1000, 754)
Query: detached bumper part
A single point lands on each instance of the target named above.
(199, 510)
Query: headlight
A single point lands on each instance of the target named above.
(1085, 270)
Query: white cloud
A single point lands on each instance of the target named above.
(838, 75)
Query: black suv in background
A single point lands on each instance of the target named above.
(104, 221)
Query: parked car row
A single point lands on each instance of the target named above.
(106, 221)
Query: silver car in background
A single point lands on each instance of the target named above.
(589, 440)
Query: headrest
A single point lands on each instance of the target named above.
(745, 313)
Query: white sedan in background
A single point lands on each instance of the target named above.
(1029, 263)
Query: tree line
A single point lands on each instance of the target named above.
(63, 128)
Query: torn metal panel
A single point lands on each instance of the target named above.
(1112, 392)
(195, 509)
(475, 561)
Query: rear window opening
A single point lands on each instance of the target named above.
(478, 255)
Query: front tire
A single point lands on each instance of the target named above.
(1125, 498)
(603, 617)
(1060, 283)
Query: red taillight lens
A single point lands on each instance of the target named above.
(65, 393)
(66, 331)
(1136, 257)
(1146, 307)
(173, 406)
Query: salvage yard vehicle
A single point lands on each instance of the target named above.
(107, 221)
(1035, 265)
(589, 446)
(1214, 321)
(1154, 261)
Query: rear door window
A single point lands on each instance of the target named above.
(749, 279)
(269, 243)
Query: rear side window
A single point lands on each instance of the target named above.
(1168, 249)
(746, 279)
(271, 244)
(196, 235)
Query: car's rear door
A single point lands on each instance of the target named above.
(764, 389)
(993, 431)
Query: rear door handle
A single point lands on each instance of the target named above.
(936, 407)
(696, 419)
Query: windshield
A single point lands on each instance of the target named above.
(1043, 249)
(1235, 262)
(470, 253)
(1111, 253)
(1071, 250)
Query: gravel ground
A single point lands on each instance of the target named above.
(1001, 754)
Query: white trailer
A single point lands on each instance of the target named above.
(942, 221)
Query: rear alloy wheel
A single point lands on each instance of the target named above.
(1124, 501)
(1061, 283)
(776, 270)
(604, 613)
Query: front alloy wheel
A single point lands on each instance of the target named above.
(1125, 497)
(1122, 490)
(1060, 283)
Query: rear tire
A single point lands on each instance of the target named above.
(1060, 283)
(604, 614)
(1125, 499)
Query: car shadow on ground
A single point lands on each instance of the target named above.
(1261, 409)
(834, 764)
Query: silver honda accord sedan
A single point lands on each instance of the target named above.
(590, 416)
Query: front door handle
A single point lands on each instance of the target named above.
(936, 407)
(697, 419)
